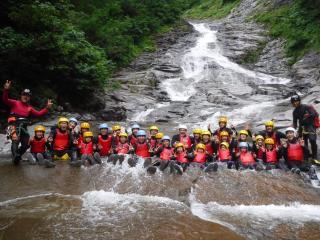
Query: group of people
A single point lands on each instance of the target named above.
(74, 141)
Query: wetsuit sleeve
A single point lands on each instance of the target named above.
(264, 157)
(95, 140)
(190, 156)
(209, 158)
(280, 135)
(294, 120)
(36, 113)
(6, 100)
(158, 151)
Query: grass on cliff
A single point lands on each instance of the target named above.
(298, 23)
(211, 9)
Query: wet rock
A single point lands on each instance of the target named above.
(168, 68)
(113, 114)
(307, 69)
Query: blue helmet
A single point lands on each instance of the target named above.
(166, 137)
(141, 133)
(135, 126)
(243, 145)
(103, 126)
(73, 120)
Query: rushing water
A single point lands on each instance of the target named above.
(119, 202)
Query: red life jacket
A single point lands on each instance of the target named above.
(295, 152)
(260, 153)
(38, 145)
(86, 148)
(142, 150)
(105, 144)
(224, 155)
(61, 140)
(122, 148)
(186, 140)
(271, 156)
(152, 142)
(200, 158)
(209, 148)
(133, 140)
(181, 157)
(246, 158)
(166, 153)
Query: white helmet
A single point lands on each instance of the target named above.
(291, 129)
(182, 126)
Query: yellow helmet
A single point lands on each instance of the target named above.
(200, 146)
(153, 127)
(223, 119)
(206, 132)
(123, 134)
(159, 135)
(244, 132)
(39, 128)
(87, 134)
(259, 137)
(269, 124)
(225, 144)
(62, 119)
(197, 131)
(269, 141)
(224, 133)
(116, 127)
(179, 144)
(85, 125)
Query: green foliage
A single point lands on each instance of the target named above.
(211, 9)
(73, 46)
(298, 23)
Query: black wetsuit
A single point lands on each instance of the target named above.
(304, 116)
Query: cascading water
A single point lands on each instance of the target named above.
(195, 66)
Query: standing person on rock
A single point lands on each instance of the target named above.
(306, 120)
(20, 113)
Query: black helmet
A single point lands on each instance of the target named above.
(295, 98)
(26, 92)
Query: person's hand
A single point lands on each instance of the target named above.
(209, 126)
(49, 103)
(50, 139)
(7, 85)
(284, 142)
(301, 142)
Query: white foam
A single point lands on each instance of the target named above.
(141, 116)
(294, 212)
(102, 198)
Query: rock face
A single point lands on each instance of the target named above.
(139, 83)
(240, 36)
